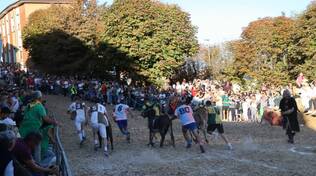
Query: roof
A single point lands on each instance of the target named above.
(17, 3)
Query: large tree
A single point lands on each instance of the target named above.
(76, 30)
(303, 49)
(59, 53)
(156, 36)
(263, 51)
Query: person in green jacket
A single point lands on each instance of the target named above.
(215, 122)
(34, 117)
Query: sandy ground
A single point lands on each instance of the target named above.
(258, 150)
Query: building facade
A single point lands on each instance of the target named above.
(12, 20)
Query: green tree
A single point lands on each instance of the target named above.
(303, 49)
(78, 23)
(263, 51)
(59, 53)
(82, 20)
(156, 36)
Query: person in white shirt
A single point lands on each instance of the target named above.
(78, 113)
(306, 97)
(120, 117)
(5, 118)
(99, 122)
(185, 114)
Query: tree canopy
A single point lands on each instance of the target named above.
(156, 42)
(158, 37)
(62, 39)
(262, 51)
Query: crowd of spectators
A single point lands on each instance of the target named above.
(237, 104)
(27, 131)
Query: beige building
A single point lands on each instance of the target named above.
(12, 20)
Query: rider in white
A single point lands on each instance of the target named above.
(99, 122)
(78, 108)
(185, 114)
(120, 117)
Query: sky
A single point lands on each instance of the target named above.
(223, 20)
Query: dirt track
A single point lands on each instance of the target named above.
(258, 150)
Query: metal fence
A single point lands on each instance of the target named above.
(61, 158)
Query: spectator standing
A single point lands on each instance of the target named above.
(288, 108)
(34, 116)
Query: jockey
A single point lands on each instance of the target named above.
(185, 114)
(120, 117)
(215, 122)
(152, 111)
(78, 111)
(99, 122)
(73, 92)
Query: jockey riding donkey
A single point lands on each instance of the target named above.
(158, 121)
